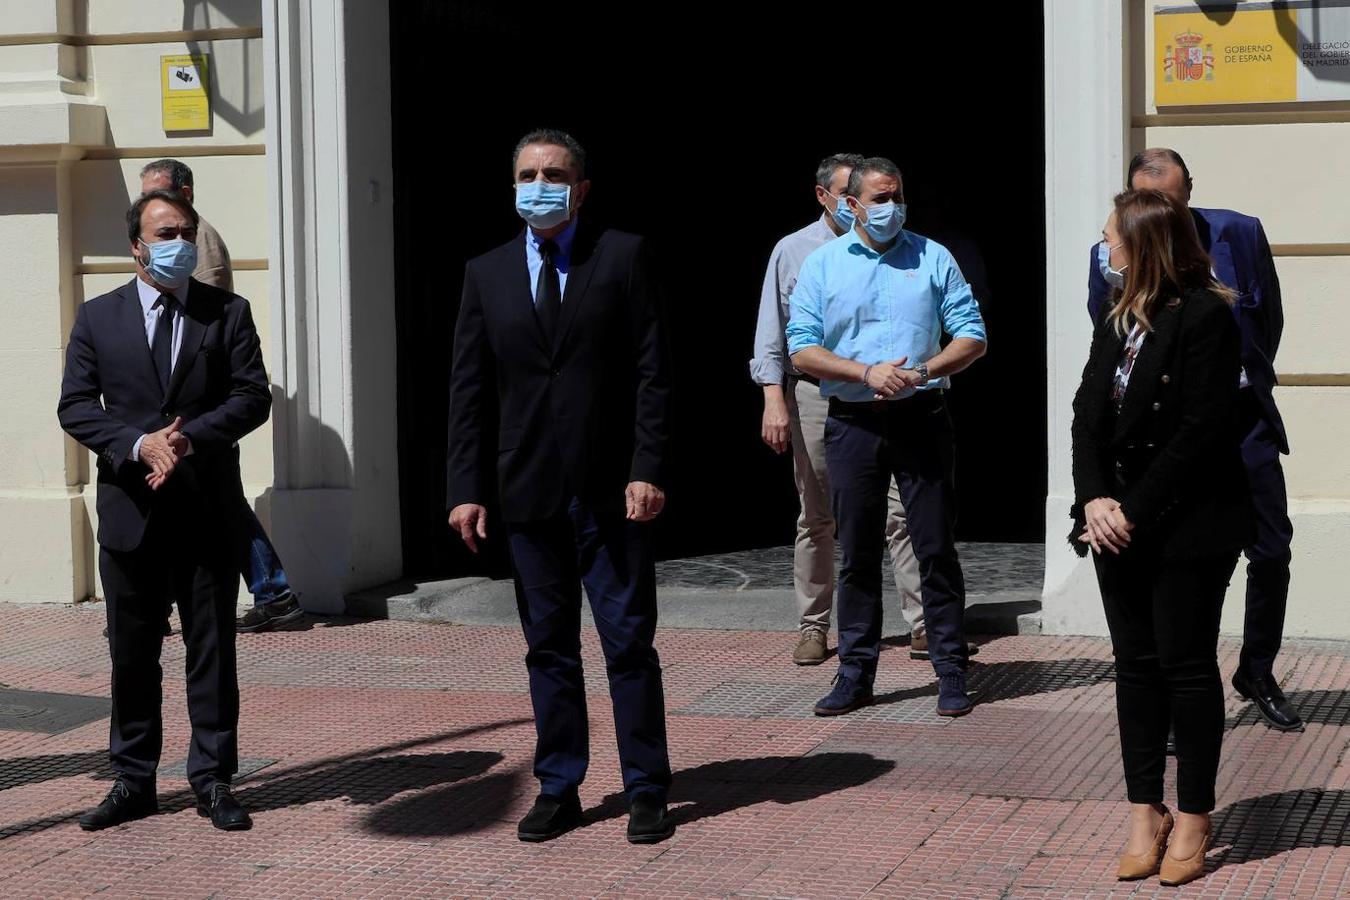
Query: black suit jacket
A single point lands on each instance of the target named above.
(110, 396)
(1172, 456)
(580, 417)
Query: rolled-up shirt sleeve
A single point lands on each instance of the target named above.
(767, 365)
(960, 312)
(806, 326)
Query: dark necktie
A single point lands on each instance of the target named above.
(548, 293)
(161, 346)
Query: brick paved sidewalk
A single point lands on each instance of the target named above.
(392, 759)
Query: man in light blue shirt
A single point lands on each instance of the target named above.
(794, 417)
(868, 314)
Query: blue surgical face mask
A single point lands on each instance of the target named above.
(843, 216)
(170, 263)
(1114, 277)
(884, 221)
(543, 205)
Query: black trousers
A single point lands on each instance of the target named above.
(1268, 558)
(865, 445)
(1164, 622)
(191, 561)
(613, 558)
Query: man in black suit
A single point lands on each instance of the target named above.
(163, 377)
(561, 386)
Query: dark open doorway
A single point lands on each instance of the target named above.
(704, 128)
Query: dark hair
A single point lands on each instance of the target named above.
(1154, 162)
(138, 208)
(831, 164)
(872, 164)
(180, 176)
(1165, 257)
(556, 138)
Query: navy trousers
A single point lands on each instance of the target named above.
(865, 445)
(1268, 558)
(613, 558)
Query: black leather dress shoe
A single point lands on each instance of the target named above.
(121, 805)
(550, 817)
(648, 821)
(223, 810)
(1269, 701)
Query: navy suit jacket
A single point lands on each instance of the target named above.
(110, 396)
(1241, 254)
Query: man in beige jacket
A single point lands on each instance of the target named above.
(274, 603)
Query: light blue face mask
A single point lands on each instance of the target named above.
(884, 221)
(1114, 277)
(843, 216)
(170, 263)
(543, 205)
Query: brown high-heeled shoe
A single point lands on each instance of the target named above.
(1134, 866)
(1174, 872)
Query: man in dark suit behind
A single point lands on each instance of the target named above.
(163, 376)
(561, 389)
(1242, 260)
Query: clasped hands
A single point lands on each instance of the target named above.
(1106, 526)
(887, 379)
(161, 451)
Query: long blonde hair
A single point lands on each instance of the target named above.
(1166, 258)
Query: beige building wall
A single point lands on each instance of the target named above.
(79, 117)
(1289, 165)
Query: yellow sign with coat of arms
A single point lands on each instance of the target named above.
(1253, 52)
(1202, 59)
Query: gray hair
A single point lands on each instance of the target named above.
(180, 176)
(870, 166)
(555, 138)
(831, 164)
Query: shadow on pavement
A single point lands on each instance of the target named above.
(1265, 826)
(1021, 678)
(720, 787)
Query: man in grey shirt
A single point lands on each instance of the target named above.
(794, 415)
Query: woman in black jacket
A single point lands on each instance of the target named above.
(1162, 500)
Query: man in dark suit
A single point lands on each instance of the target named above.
(1242, 260)
(163, 376)
(561, 388)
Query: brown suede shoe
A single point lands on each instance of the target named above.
(811, 649)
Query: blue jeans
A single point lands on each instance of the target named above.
(261, 566)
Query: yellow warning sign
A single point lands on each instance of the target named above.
(184, 94)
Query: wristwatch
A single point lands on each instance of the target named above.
(922, 371)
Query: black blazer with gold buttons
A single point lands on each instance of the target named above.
(1172, 454)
